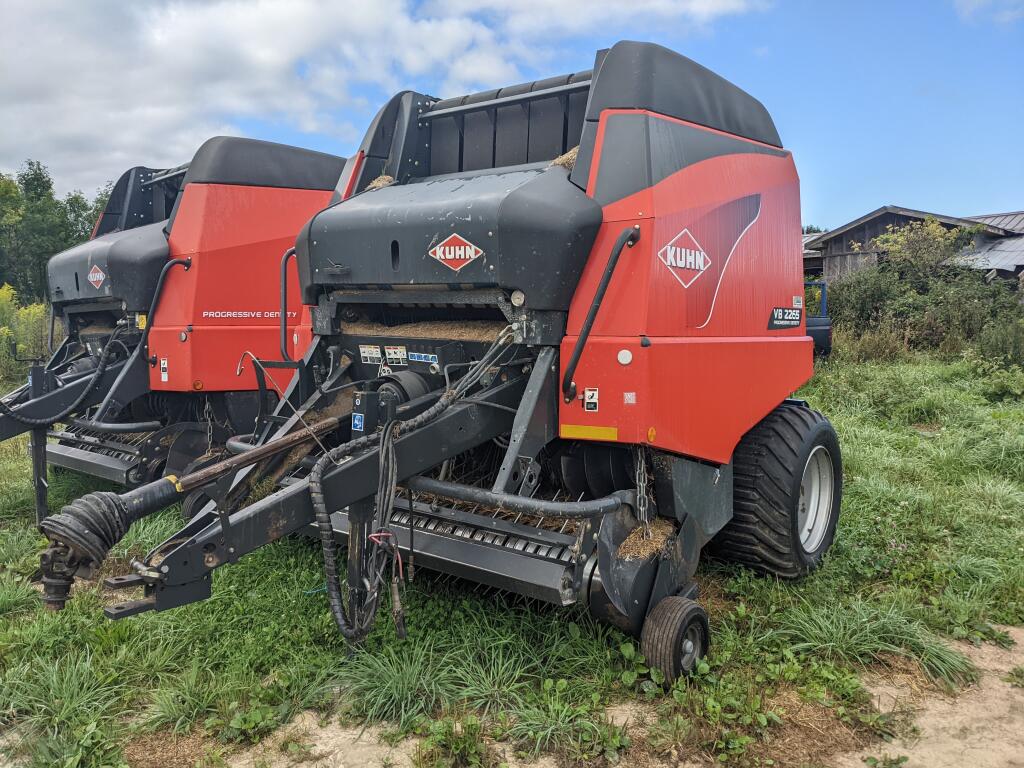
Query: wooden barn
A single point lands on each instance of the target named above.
(999, 245)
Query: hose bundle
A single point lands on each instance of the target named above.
(97, 374)
(105, 358)
(355, 621)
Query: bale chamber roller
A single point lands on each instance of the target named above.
(556, 329)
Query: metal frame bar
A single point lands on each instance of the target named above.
(503, 101)
(203, 545)
(58, 399)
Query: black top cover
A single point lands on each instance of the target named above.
(634, 75)
(648, 76)
(254, 163)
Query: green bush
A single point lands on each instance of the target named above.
(25, 328)
(925, 295)
(8, 305)
(1003, 341)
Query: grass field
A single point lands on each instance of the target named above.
(930, 547)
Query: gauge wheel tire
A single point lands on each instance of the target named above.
(193, 502)
(675, 637)
(787, 490)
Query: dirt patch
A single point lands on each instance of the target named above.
(809, 732)
(312, 742)
(166, 750)
(482, 330)
(638, 545)
(713, 597)
(982, 727)
(631, 715)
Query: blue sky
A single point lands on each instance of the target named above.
(917, 103)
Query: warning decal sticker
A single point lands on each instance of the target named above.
(396, 356)
(455, 252)
(370, 354)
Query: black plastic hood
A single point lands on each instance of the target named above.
(120, 265)
(517, 228)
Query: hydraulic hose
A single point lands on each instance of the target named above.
(187, 264)
(626, 238)
(45, 421)
(35, 421)
(354, 624)
(118, 427)
(284, 304)
(513, 503)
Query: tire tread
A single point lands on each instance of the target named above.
(660, 634)
(764, 464)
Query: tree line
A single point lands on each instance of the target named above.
(35, 224)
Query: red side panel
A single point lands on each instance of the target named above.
(684, 354)
(228, 302)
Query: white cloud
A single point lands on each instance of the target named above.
(1000, 11)
(92, 88)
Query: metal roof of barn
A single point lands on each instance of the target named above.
(953, 221)
(1013, 221)
(1006, 253)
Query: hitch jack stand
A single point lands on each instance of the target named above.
(37, 449)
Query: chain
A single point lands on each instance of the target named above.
(643, 513)
(209, 416)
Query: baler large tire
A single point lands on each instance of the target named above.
(675, 636)
(787, 489)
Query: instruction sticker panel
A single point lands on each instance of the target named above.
(396, 355)
(370, 354)
(422, 357)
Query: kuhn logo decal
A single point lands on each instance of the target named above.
(685, 258)
(455, 252)
(96, 276)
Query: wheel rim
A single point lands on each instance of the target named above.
(691, 648)
(814, 508)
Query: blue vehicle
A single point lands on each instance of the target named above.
(819, 326)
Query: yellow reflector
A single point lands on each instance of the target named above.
(583, 432)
